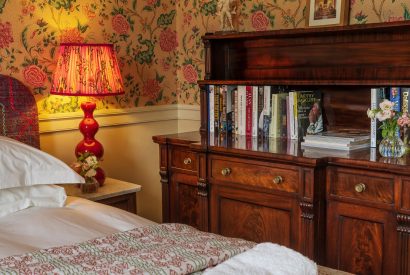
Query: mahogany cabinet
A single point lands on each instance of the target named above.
(184, 200)
(350, 212)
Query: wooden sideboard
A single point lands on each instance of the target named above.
(351, 213)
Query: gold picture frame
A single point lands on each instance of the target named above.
(322, 13)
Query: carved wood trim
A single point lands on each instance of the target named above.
(202, 188)
(403, 227)
(307, 210)
(207, 46)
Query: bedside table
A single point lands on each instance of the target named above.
(116, 193)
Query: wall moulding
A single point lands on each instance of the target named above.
(114, 117)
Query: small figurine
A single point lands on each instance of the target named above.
(225, 11)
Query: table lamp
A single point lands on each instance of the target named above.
(87, 70)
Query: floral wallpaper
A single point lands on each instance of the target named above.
(158, 42)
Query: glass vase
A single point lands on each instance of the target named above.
(90, 186)
(392, 147)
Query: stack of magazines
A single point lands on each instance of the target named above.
(346, 140)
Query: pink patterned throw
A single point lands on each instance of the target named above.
(156, 249)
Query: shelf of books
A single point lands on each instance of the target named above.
(281, 120)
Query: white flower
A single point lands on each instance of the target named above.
(386, 105)
(371, 113)
(386, 114)
(91, 161)
(90, 173)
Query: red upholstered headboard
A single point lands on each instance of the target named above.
(18, 112)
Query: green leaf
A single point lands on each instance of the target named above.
(147, 8)
(2, 4)
(166, 19)
(134, 4)
(24, 38)
(406, 14)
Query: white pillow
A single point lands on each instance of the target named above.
(23, 165)
(19, 198)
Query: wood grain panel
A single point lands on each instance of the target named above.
(378, 187)
(255, 174)
(258, 223)
(184, 201)
(360, 246)
(405, 194)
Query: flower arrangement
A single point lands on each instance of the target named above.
(391, 120)
(86, 165)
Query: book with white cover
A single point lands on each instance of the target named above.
(339, 136)
(376, 96)
(255, 111)
(336, 146)
(241, 110)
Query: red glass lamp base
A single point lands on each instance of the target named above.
(89, 127)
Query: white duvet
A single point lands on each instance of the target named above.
(80, 220)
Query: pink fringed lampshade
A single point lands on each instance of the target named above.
(87, 70)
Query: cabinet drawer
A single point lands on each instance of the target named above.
(252, 173)
(372, 187)
(183, 159)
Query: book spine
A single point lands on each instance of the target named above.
(248, 111)
(282, 123)
(216, 108)
(229, 109)
(295, 116)
(395, 97)
(273, 129)
(222, 104)
(241, 109)
(291, 115)
(376, 96)
(255, 111)
(288, 126)
(235, 119)
(211, 108)
(405, 92)
(267, 110)
(261, 111)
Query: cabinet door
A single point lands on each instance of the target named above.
(186, 205)
(254, 216)
(360, 239)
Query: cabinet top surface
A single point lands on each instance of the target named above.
(111, 188)
(290, 151)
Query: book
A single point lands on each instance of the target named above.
(405, 96)
(273, 132)
(261, 111)
(255, 111)
(267, 110)
(308, 113)
(222, 107)
(248, 111)
(241, 109)
(336, 146)
(291, 107)
(376, 96)
(211, 94)
(229, 108)
(235, 117)
(216, 107)
(287, 117)
(341, 136)
(395, 97)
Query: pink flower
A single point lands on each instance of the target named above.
(383, 115)
(34, 76)
(151, 2)
(120, 24)
(404, 120)
(190, 73)
(151, 89)
(259, 21)
(168, 40)
(6, 36)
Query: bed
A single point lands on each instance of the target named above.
(43, 231)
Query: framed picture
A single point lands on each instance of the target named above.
(322, 13)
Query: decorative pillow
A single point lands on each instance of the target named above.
(23, 165)
(19, 198)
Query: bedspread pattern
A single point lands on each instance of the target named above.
(155, 249)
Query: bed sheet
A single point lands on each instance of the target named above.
(80, 220)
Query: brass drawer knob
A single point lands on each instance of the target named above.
(187, 161)
(277, 180)
(360, 187)
(226, 172)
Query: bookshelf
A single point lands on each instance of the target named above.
(315, 203)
